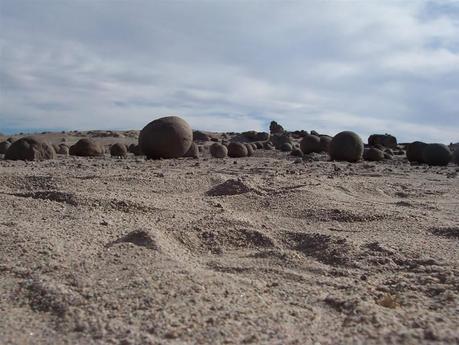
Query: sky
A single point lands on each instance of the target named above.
(367, 66)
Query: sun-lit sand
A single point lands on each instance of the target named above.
(268, 249)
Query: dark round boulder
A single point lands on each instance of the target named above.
(310, 143)
(414, 151)
(218, 150)
(86, 148)
(237, 150)
(249, 149)
(297, 153)
(258, 145)
(436, 154)
(118, 150)
(167, 137)
(325, 141)
(193, 152)
(373, 154)
(286, 147)
(346, 146)
(135, 149)
(267, 145)
(4, 147)
(30, 149)
(280, 139)
(254, 146)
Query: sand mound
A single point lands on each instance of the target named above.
(230, 187)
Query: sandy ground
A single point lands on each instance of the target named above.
(261, 250)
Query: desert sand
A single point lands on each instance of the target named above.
(269, 249)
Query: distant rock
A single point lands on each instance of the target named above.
(280, 139)
(200, 136)
(30, 149)
(385, 140)
(310, 143)
(372, 154)
(286, 147)
(237, 150)
(325, 141)
(218, 150)
(249, 149)
(118, 150)
(86, 148)
(414, 151)
(436, 154)
(275, 128)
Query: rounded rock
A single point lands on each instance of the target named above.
(373, 154)
(63, 150)
(4, 147)
(193, 152)
(118, 150)
(30, 149)
(237, 150)
(249, 149)
(297, 153)
(346, 146)
(414, 151)
(310, 144)
(218, 150)
(86, 148)
(166, 137)
(325, 141)
(286, 147)
(436, 154)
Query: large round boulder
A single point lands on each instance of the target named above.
(118, 150)
(310, 143)
(237, 150)
(373, 154)
(218, 150)
(436, 154)
(30, 149)
(86, 148)
(346, 146)
(414, 151)
(167, 137)
(4, 147)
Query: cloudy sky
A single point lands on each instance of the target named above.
(368, 66)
